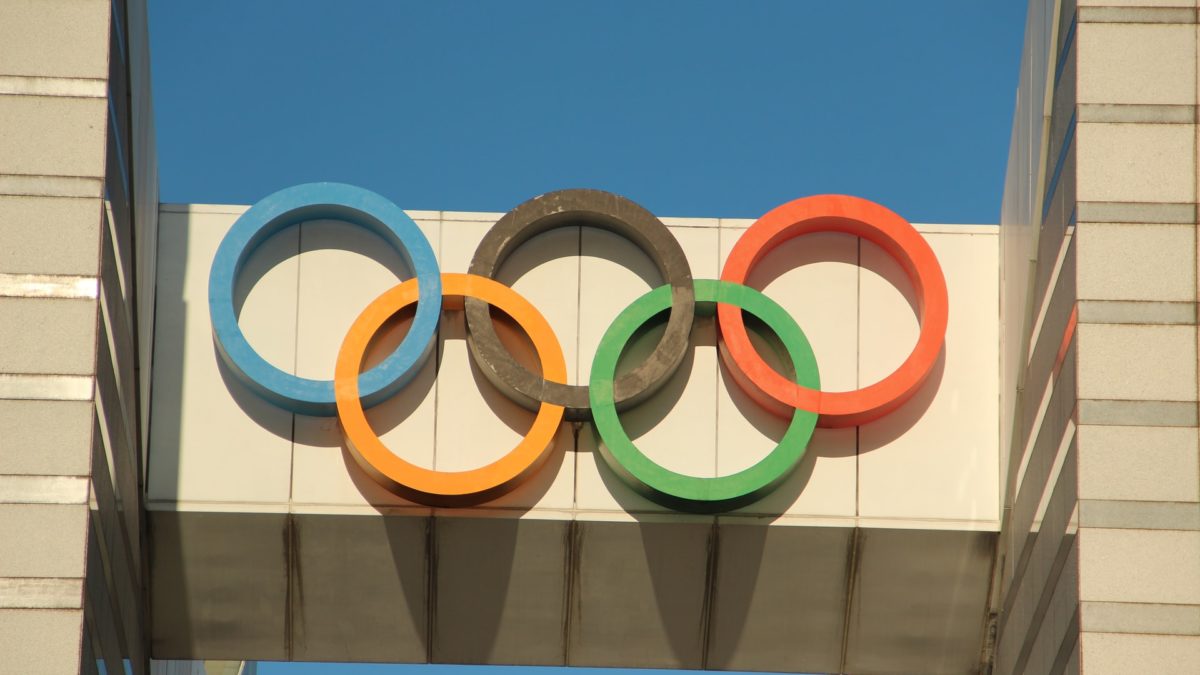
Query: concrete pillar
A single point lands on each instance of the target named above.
(1138, 463)
(1101, 546)
(54, 65)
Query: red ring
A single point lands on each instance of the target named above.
(861, 218)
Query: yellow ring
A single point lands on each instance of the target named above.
(447, 488)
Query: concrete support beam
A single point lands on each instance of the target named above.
(719, 593)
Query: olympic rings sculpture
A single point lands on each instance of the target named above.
(797, 398)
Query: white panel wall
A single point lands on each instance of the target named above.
(212, 440)
(934, 463)
(945, 437)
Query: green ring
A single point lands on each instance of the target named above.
(692, 493)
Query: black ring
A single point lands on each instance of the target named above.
(593, 208)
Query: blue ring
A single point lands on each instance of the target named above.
(316, 201)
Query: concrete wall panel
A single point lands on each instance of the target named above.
(940, 437)
(1113, 653)
(1114, 466)
(45, 437)
(641, 589)
(227, 444)
(52, 135)
(55, 38)
(1137, 262)
(1136, 162)
(1138, 63)
(763, 574)
(219, 585)
(501, 593)
(1139, 565)
(1154, 363)
(47, 335)
(49, 236)
(815, 279)
(347, 575)
(42, 540)
(40, 640)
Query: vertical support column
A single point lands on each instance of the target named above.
(1138, 458)
(54, 65)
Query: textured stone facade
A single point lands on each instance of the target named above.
(1099, 561)
(78, 212)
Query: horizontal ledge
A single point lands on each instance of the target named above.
(451, 217)
(471, 216)
(1139, 515)
(30, 185)
(71, 87)
(44, 489)
(46, 387)
(1137, 114)
(239, 209)
(41, 593)
(1136, 212)
(416, 511)
(1181, 15)
(1101, 412)
(1142, 618)
(1137, 312)
(47, 286)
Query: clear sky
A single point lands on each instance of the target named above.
(691, 108)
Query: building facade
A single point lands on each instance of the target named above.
(1099, 563)
(78, 210)
(1054, 530)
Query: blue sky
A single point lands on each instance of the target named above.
(696, 108)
